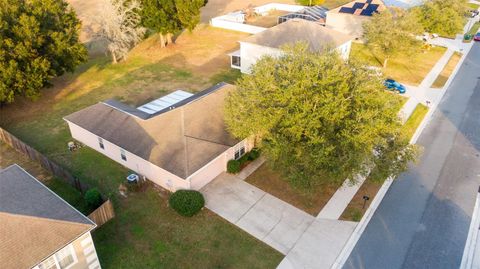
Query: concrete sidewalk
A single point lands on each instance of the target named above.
(436, 70)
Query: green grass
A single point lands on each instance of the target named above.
(414, 120)
(145, 232)
(474, 28)
(69, 194)
(229, 76)
(472, 6)
(330, 4)
(407, 69)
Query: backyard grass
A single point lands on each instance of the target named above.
(267, 21)
(447, 70)
(273, 183)
(407, 69)
(145, 232)
(330, 4)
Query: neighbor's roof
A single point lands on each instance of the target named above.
(180, 139)
(34, 222)
(364, 8)
(298, 30)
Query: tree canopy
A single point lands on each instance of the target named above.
(167, 17)
(319, 119)
(38, 41)
(392, 32)
(443, 17)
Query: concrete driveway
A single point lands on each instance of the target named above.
(307, 242)
(262, 215)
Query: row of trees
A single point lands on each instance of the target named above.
(123, 23)
(394, 30)
(39, 39)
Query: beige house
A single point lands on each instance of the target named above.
(38, 229)
(176, 142)
(349, 18)
(270, 41)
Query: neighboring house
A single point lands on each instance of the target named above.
(349, 18)
(270, 41)
(38, 229)
(184, 144)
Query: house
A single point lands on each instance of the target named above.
(270, 41)
(38, 229)
(179, 141)
(349, 18)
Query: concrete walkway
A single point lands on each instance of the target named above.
(436, 70)
(260, 214)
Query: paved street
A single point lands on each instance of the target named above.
(424, 218)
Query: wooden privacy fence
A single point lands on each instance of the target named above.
(102, 214)
(38, 157)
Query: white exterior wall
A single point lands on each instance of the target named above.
(143, 167)
(250, 53)
(346, 23)
(210, 171)
(221, 22)
(83, 252)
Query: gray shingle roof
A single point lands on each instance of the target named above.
(180, 139)
(315, 35)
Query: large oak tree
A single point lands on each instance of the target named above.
(319, 119)
(38, 41)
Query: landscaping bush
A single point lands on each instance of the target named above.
(186, 202)
(233, 166)
(253, 154)
(93, 198)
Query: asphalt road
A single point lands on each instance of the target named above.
(424, 218)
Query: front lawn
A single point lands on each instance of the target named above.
(415, 119)
(473, 6)
(447, 70)
(272, 182)
(407, 69)
(145, 232)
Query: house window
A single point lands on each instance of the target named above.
(65, 257)
(122, 154)
(48, 264)
(236, 61)
(100, 143)
(239, 151)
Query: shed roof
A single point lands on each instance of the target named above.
(297, 30)
(35, 222)
(180, 139)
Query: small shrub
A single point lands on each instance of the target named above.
(253, 154)
(233, 166)
(93, 198)
(186, 202)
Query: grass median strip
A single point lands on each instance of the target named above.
(447, 70)
(355, 209)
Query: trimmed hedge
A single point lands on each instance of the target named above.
(186, 202)
(93, 198)
(234, 166)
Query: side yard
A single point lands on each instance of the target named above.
(145, 232)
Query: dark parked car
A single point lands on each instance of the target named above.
(394, 86)
(476, 37)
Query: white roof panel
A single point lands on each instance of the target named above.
(164, 102)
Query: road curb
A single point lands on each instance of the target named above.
(357, 233)
(471, 244)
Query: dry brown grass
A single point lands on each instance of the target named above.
(272, 182)
(447, 70)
